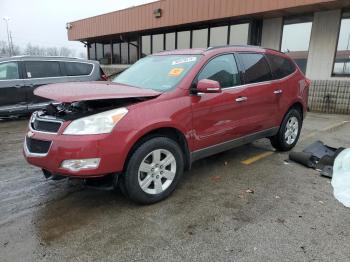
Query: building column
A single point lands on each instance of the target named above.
(323, 44)
(272, 33)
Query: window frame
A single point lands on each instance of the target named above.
(287, 58)
(193, 88)
(65, 71)
(336, 48)
(243, 69)
(298, 19)
(23, 70)
(62, 71)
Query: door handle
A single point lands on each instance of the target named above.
(18, 86)
(277, 92)
(241, 99)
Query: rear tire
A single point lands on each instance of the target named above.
(153, 171)
(289, 132)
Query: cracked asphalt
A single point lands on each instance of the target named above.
(222, 210)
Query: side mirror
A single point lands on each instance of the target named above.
(208, 86)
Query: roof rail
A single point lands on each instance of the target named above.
(223, 46)
(46, 56)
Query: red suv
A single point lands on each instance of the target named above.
(167, 110)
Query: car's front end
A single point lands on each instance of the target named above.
(58, 153)
(78, 136)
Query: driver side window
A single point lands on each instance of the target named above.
(222, 69)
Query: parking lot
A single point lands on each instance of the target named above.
(247, 204)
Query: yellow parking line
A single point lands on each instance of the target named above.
(258, 157)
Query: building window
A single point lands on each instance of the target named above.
(170, 41)
(107, 54)
(116, 53)
(124, 53)
(218, 36)
(239, 34)
(92, 53)
(158, 43)
(183, 39)
(342, 57)
(146, 45)
(296, 39)
(99, 52)
(133, 49)
(200, 38)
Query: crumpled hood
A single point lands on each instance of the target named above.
(84, 91)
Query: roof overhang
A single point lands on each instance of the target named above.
(182, 12)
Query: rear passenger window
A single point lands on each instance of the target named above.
(256, 68)
(40, 69)
(9, 71)
(280, 66)
(222, 69)
(78, 69)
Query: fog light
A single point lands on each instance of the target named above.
(80, 164)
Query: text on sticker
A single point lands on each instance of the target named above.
(184, 60)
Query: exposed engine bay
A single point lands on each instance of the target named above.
(75, 110)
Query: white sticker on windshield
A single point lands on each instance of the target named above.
(184, 60)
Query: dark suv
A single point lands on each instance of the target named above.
(163, 113)
(20, 75)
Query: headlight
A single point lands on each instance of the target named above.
(101, 123)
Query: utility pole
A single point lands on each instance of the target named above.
(7, 19)
(11, 42)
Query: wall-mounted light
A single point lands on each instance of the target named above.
(157, 13)
(68, 26)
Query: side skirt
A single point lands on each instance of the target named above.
(215, 149)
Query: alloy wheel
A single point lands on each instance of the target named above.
(157, 171)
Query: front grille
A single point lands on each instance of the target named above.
(45, 126)
(38, 146)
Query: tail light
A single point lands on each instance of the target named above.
(308, 82)
(104, 77)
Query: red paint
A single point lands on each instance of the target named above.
(80, 91)
(204, 120)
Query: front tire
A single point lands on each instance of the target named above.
(289, 132)
(153, 170)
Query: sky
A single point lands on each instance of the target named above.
(43, 22)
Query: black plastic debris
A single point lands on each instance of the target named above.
(317, 156)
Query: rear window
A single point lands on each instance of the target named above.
(78, 69)
(256, 68)
(280, 66)
(40, 69)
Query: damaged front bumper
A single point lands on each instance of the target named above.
(73, 156)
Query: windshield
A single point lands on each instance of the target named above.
(160, 73)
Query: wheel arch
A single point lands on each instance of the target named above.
(298, 106)
(169, 132)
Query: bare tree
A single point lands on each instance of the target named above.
(5, 50)
(83, 55)
(64, 51)
(36, 50)
(52, 51)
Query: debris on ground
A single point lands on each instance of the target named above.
(317, 156)
(341, 177)
(216, 178)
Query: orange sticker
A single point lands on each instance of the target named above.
(176, 71)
